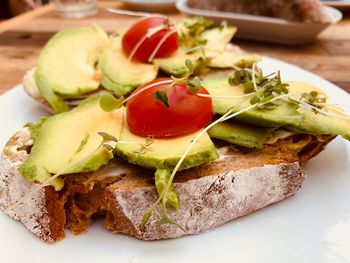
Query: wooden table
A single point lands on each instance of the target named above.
(22, 38)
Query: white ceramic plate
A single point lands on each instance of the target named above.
(312, 226)
(339, 4)
(263, 28)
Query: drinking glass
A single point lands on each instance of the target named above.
(75, 8)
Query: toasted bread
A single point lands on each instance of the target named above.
(240, 182)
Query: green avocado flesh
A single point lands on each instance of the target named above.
(317, 123)
(165, 153)
(216, 39)
(121, 76)
(228, 58)
(175, 64)
(214, 48)
(69, 143)
(66, 66)
(240, 134)
(219, 86)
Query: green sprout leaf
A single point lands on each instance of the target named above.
(314, 99)
(109, 103)
(189, 65)
(162, 96)
(161, 179)
(168, 220)
(194, 85)
(145, 219)
(222, 25)
(166, 24)
(264, 89)
(149, 141)
(170, 198)
(190, 29)
(107, 137)
(108, 147)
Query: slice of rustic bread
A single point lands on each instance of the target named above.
(237, 184)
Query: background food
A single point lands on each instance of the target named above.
(308, 11)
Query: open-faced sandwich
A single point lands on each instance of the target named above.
(163, 154)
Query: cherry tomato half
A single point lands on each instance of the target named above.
(187, 113)
(136, 36)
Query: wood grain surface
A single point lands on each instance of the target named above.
(22, 38)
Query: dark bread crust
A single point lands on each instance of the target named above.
(206, 202)
(237, 184)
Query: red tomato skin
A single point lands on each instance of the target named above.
(139, 29)
(187, 113)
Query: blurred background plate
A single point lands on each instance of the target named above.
(339, 4)
(161, 6)
(268, 29)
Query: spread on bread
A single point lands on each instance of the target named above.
(143, 150)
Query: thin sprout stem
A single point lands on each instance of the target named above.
(127, 142)
(193, 49)
(224, 97)
(48, 181)
(160, 43)
(238, 112)
(148, 34)
(146, 88)
(253, 106)
(253, 77)
(323, 112)
(326, 113)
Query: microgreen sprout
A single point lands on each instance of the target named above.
(261, 88)
(109, 103)
(108, 139)
(314, 99)
(143, 147)
(193, 84)
(190, 30)
(162, 96)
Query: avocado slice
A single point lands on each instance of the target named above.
(165, 153)
(175, 64)
(69, 142)
(120, 75)
(218, 86)
(317, 123)
(216, 38)
(66, 66)
(228, 58)
(216, 48)
(241, 134)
